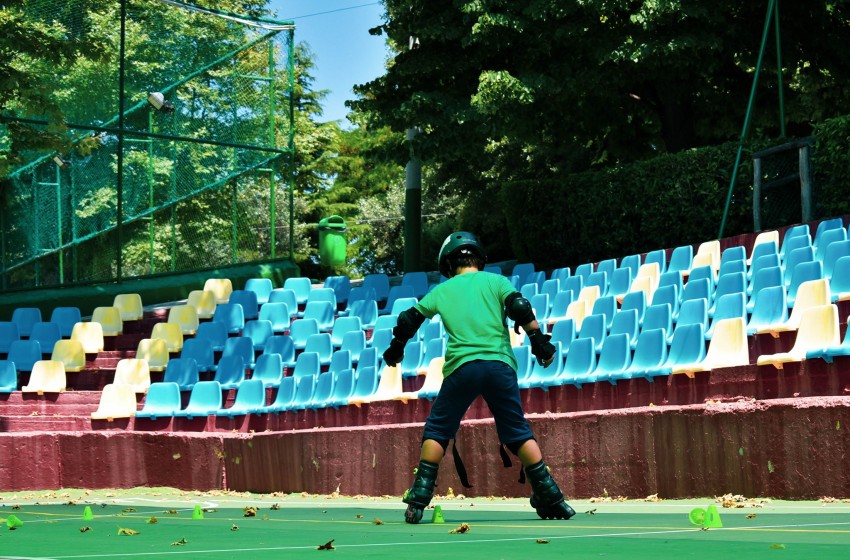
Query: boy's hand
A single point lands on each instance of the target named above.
(542, 349)
(394, 353)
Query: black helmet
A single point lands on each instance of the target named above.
(459, 242)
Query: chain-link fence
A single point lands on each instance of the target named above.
(189, 169)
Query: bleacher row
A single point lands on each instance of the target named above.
(639, 318)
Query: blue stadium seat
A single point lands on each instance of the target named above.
(342, 326)
(354, 342)
(540, 307)
(231, 315)
(262, 287)
(826, 240)
(658, 316)
(632, 262)
(561, 274)
(402, 304)
(731, 267)
(795, 257)
(691, 312)
(667, 295)
(564, 331)
(24, 353)
(340, 360)
(584, 271)
(287, 296)
(681, 259)
(284, 346)
(278, 314)
(834, 252)
(803, 272)
(8, 377)
(733, 283)
(183, 372)
(25, 318)
(283, 398)
(343, 386)
(230, 372)
(66, 318)
(650, 355)
(574, 284)
(269, 370)
(840, 282)
(161, 400)
(204, 400)
(766, 277)
(728, 306)
(626, 322)
(418, 281)
(770, 310)
(580, 363)
(657, 256)
(606, 305)
(636, 301)
(560, 305)
(322, 391)
(341, 285)
(366, 310)
(607, 266)
(396, 293)
(697, 288)
(215, 333)
(522, 270)
(259, 331)
(250, 399)
(764, 261)
(8, 334)
(621, 282)
(365, 383)
(792, 232)
(829, 353)
(434, 348)
(306, 365)
(304, 388)
(537, 277)
(322, 294)
(595, 327)
(551, 287)
(688, 347)
(523, 359)
(794, 243)
(320, 343)
(598, 279)
(240, 346)
(200, 350)
(301, 329)
(369, 357)
(379, 282)
(380, 340)
(409, 365)
(301, 286)
(615, 358)
(763, 250)
(248, 300)
(323, 312)
(544, 377)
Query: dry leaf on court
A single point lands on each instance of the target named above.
(704, 529)
(125, 531)
(234, 527)
(210, 510)
(777, 546)
(85, 529)
(16, 506)
(358, 516)
(378, 521)
(751, 516)
(129, 510)
(464, 528)
(181, 542)
(153, 520)
(171, 511)
(542, 541)
(327, 546)
(275, 507)
(591, 511)
(250, 511)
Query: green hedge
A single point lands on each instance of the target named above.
(668, 201)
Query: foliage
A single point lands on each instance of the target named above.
(831, 165)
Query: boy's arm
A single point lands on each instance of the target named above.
(520, 311)
(408, 323)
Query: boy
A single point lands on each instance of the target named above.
(479, 361)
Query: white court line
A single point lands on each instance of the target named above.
(233, 551)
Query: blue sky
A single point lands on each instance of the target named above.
(338, 34)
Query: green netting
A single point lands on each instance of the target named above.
(202, 185)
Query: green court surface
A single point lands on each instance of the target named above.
(294, 526)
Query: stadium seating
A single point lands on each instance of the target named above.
(728, 348)
(829, 353)
(564, 332)
(343, 385)
(161, 400)
(47, 376)
(287, 296)
(626, 322)
(418, 281)
(304, 389)
(580, 363)
(658, 316)
(220, 287)
(430, 386)
(285, 395)
(827, 225)
(769, 311)
(250, 399)
(277, 313)
(259, 331)
(129, 306)
(204, 303)
(204, 400)
(434, 348)
(186, 317)
(248, 300)
(283, 346)
(688, 347)
(47, 334)
(632, 262)
(301, 286)
(230, 372)
(66, 318)
(636, 301)
(155, 352)
(231, 316)
(25, 318)
(200, 350)
(340, 360)
(818, 330)
(341, 285)
(25, 354)
(322, 391)
(840, 281)
(595, 327)
(810, 294)
(240, 346)
(545, 377)
(133, 372)
(834, 252)
(171, 333)
(8, 377)
(729, 306)
(354, 342)
(771, 276)
(109, 319)
(615, 357)
(307, 364)
(322, 312)
(301, 329)
(365, 382)
(262, 288)
(409, 365)
(215, 333)
(650, 355)
(681, 259)
(389, 387)
(269, 370)
(116, 401)
(183, 372)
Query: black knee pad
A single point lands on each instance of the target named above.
(513, 447)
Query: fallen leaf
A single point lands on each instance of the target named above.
(181, 542)
(171, 511)
(250, 511)
(542, 541)
(751, 516)
(129, 510)
(378, 521)
(152, 520)
(16, 506)
(275, 507)
(358, 516)
(464, 528)
(85, 529)
(234, 527)
(777, 546)
(210, 510)
(652, 498)
(327, 546)
(704, 529)
(125, 531)
(591, 511)
(71, 503)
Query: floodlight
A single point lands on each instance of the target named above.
(158, 102)
(57, 159)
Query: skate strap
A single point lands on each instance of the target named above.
(461, 470)
(506, 461)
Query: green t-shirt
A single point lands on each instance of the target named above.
(472, 307)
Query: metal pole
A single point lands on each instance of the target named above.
(119, 189)
(806, 185)
(412, 206)
(59, 223)
(757, 181)
(291, 64)
(150, 193)
(779, 71)
(272, 111)
(748, 116)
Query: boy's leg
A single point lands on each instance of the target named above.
(419, 495)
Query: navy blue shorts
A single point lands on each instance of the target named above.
(496, 382)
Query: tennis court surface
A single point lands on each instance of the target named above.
(165, 523)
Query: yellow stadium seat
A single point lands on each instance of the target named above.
(577, 311)
(812, 293)
(155, 352)
(47, 376)
(70, 353)
(116, 401)
(818, 330)
(186, 317)
(645, 284)
(589, 295)
(133, 372)
(708, 254)
(109, 319)
(728, 348)
(203, 302)
(130, 306)
(221, 287)
(431, 385)
(764, 237)
(171, 333)
(90, 335)
(389, 387)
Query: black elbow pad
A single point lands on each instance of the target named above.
(519, 309)
(408, 323)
